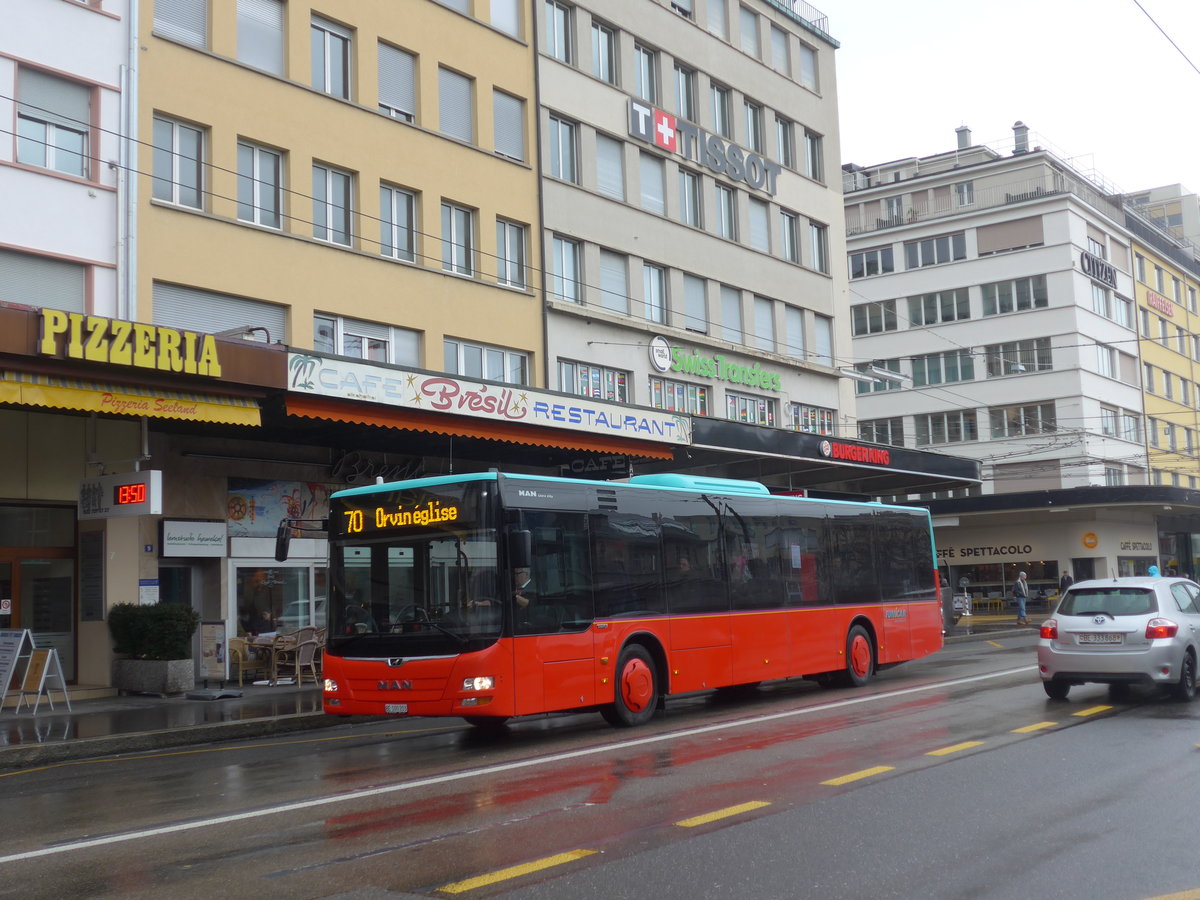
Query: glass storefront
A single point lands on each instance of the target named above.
(272, 598)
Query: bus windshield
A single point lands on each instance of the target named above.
(414, 573)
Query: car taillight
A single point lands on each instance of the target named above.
(1049, 629)
(1160, 628)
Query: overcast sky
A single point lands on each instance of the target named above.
(1095, 81)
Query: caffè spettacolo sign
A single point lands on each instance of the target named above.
(117, 342)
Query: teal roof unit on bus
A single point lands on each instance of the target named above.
(699, 483)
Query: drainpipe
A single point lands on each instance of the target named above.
(127, 181)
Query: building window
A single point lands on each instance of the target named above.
(1158, 280)
(878, 384)
(874, 318)
(455, 106)
(943, 368)
(964, 193)
(508, 115)
(754, 126)
(183, 20)
(1131, 426)
(812, 419)
(945, 428)
(53, 122)
(785, 142)
(726, 212)
(333, 192)
(933, 251)
(458, 239)
(614, 282)
(564, 269)
(331, 58)
(260, 185)
(718, 18)
(1153, 432)
(178, 163)
(610, 167)
(604, 52)
(882, 431)
(486, 362)
(653, 191)
(510, 254)
(397, 83)
(814, 156)
(1096, 248)
(1017, 357)
(1122, 311)
(819, 247)
(678, 396)
(1106, 361)
(749, 33)
(506, 17)
(806, 65)
(760, 224)
(933, 309)
(654, 292)
(1015, 296)
(260, 34)
(695, 304)
(731, 315)
(789, 235)
(764, 324)
(722, 114)
(1150, 380)
(793, 332)
(823, 340)
(366, 340)
(1108, 421)
(876, 261)
(750, 410)
(781, 60)
(397, 223)
(646, 66)
(1017, 421)
(685, 92)
(562, 149)
(558, 31)
(599, 382)
(44, 281)
(689, 199)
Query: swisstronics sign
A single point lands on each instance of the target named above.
(692, 142)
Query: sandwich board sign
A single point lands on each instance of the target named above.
(44, 665)
(15, 645)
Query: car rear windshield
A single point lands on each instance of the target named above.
(1116, 601)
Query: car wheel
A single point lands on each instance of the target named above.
(1056, 690)
(636, 689)
(860, 657)
(1184, 689)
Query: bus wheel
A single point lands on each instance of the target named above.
(636, 689)
(860, 657)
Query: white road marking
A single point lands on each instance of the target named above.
(468, 774)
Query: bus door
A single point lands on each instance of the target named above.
(903, 555)
(553, 643)
(760, 625)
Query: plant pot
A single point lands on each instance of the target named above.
(154, 676)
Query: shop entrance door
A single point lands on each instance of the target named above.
(42, 592)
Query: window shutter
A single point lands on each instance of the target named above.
(652, 184)
(749, 28)
(614, 290)
(260, 34)
(462, 6)
(182, 20)
(731, 313)
(610, 167)
(454, 105)
(793, 321)
(1007, 235)
(509, 120)
(53, 99)
(779, 50)
(397, 81)
(41, 281)
(366, 329)
(506, 17)
(695, 306)
(760, 225)
(177, 306)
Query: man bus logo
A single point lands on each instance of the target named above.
(395, 686)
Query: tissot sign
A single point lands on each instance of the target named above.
(692, 142)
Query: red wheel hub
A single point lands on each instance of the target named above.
(637, 685)
(860, 656)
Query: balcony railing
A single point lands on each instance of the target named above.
(798, 9)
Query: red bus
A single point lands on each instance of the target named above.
(489, 596)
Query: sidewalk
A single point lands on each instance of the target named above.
(108, 725)
(114, 724)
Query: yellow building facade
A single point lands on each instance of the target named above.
(1169, 345)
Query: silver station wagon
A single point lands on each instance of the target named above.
(1123, 631)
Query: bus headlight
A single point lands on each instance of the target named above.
(479, 683)
(330, 686)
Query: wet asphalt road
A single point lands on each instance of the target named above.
(952, 777)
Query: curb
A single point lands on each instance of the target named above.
(26, 755)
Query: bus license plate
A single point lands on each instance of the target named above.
(1106, 637)
(395, 709)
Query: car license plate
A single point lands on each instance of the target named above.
(396, 709)
(1106, 637)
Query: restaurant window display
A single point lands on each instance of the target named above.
(278, 599)
(994, 581)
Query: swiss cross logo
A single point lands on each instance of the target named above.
(665, 134)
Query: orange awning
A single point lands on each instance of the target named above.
(460, 426)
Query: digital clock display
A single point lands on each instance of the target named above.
(125, 494)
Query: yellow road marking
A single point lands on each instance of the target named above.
(995, 644)
(1038, 726)
(1182, 895)
(1092, 711)
(946, 751)
(537, 865)
(722, 814)
(855, 776)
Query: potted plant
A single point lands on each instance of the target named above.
(155, 646)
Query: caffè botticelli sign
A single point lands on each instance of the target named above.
(348, 380)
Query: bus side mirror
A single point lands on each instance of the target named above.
(520, 549)
(283, 540)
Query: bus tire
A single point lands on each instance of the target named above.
(636, 689)
(860, 657)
